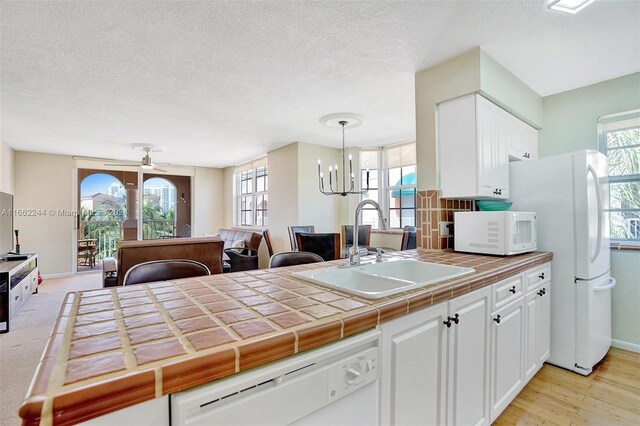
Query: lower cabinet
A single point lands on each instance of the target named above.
(468, 357)
(435, 364)
(507, 355)
(414, 368)
(462, 362)
(538, 329)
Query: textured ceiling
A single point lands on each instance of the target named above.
(217, 83)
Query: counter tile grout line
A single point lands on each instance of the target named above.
(171, 324)
(129, 357)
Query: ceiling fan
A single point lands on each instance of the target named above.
(146, 163)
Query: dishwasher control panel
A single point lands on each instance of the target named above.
(353, 373)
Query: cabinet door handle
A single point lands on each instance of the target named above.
(541, 276)
(513, 289)
(497, 319)
(542, 292)
(526, 155)
(456, 318)
(447, 322)
(17, 297)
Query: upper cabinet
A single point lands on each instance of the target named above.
(476, 140)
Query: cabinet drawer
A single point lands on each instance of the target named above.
(14, 303)
(506, 291)
(537, 276)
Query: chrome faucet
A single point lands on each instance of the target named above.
(354, 252)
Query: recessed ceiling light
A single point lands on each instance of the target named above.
(569, 6)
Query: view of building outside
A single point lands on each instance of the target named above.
(102, 211)
(159, 209)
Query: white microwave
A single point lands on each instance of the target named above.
(504, 233)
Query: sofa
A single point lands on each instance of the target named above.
(240, 248)
(206, 250)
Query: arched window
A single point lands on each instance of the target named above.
(159, 209)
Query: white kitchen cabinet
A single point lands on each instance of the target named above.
(473, 149)
(435, 364)
(476, 139)
(468, 358)
(414, 368)
(507, 355)
(523, 143)
(537, 321)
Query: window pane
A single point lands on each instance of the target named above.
(395, 177)
(624, 195)
(260, 184)
(408, 198)
(624, 161)
(394, 218)
(371, 195)
(625, 225)
(370, 217)
(409, 175)
(408, 217)
(623, 137)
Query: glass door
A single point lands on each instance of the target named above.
(107, 213)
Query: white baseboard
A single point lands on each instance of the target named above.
(633, 347)
(61, 275)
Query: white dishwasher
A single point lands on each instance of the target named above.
(335, 384)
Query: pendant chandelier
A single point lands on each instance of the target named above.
(343, 120)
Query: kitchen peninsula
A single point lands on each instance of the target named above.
(114, 348)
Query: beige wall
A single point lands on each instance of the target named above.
(570, 124)
(314, 208)
(283, 194)
(45, 182)
(209, 203)
(472, 71)
(228, 197)
(7, 161)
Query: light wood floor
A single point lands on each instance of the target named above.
(610, 395)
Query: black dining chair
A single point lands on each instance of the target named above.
(408, 238)
(291, 258)
(293, 230)
(164, 270)
(325, 245)
(364, 235)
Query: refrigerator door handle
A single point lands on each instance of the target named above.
(596, 181)
(612, 284)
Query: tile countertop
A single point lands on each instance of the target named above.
(112, 348)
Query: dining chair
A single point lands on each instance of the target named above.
(293, 230)
(408, 238)
(290, 258)
(164, 270)
(364, 235)
(325, 245)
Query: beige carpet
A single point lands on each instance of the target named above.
(21, 348)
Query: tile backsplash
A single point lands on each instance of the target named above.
(431, 211)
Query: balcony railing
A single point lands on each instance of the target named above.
(154, 229)
(107, 233)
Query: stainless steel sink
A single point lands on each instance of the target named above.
(383, 279)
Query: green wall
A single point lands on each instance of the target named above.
(570, 118)
(570, 124)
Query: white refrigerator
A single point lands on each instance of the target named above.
(570, 195)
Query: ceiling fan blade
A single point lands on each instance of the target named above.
(122, 164)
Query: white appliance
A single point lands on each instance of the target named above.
(570, 195)
(336, 384)
(503, 233)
